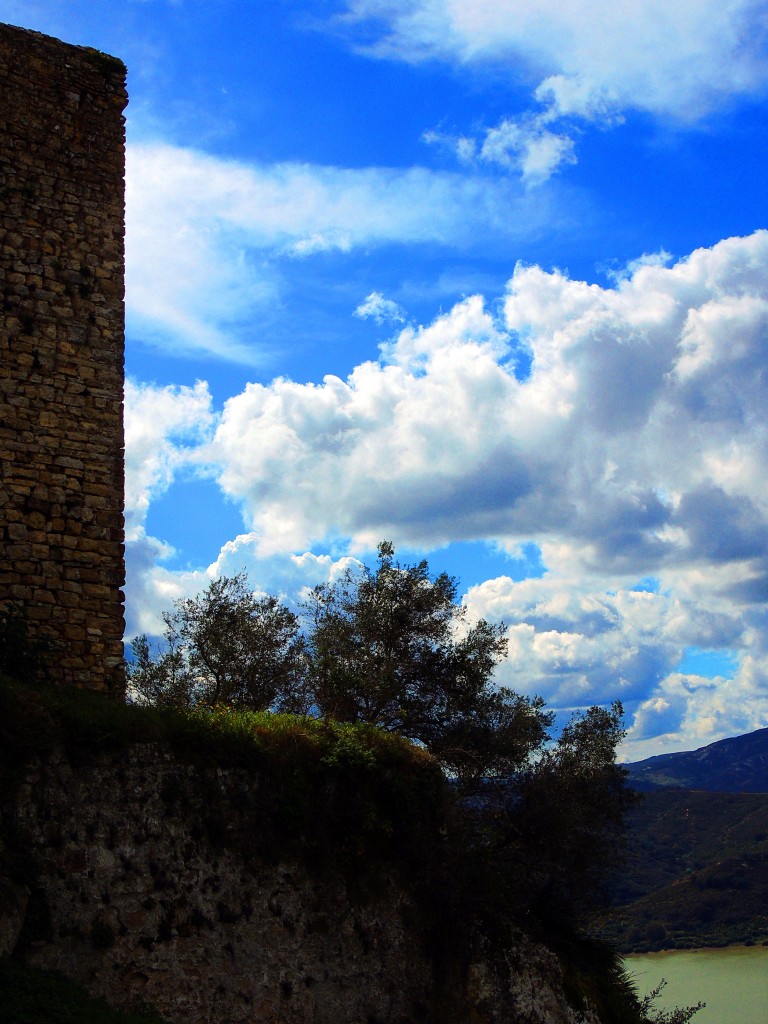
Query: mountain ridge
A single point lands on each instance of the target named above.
(738, 764)
(696, 868)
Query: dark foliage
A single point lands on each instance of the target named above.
(390, 646)
(223, 646)
(571, 817)
(551, 834)
(29, 996)
(329, 794)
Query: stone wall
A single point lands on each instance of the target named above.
(147, 888)
(61, 352)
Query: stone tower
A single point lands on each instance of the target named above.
(62, 157)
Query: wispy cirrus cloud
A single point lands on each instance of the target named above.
(380, 309)
(681, 60)
(525, 144)
(208, 239)
(585, 66)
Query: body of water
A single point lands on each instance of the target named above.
(733, 982)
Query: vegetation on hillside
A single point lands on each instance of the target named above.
(358, 792)
(738, 764)
(390, 647)
(696, 872)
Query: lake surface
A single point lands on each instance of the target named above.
(733, 982)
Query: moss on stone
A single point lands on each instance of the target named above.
(109, 66)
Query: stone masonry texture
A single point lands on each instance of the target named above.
(62, 155)
(149, 888)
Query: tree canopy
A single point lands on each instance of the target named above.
(391, 646)
(223, 646)
(568, 811)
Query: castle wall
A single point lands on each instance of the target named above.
(150, 888)
(61, 352)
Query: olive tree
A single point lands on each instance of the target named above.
(223, 646)
(565, 819)
(391, 646)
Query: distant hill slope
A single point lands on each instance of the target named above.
(735, 765)
(696, 872)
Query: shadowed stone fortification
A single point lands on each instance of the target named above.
(203, 927)
(62, 151)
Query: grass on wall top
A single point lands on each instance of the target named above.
(327, 792)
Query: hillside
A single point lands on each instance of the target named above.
(696, 872)
(738, 764)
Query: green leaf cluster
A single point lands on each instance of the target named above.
(224, 646)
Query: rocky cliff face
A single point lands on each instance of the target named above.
(142, 885)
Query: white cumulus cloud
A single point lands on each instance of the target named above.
(632, 448)
(637, 436)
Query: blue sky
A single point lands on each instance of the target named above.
(486, 279)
